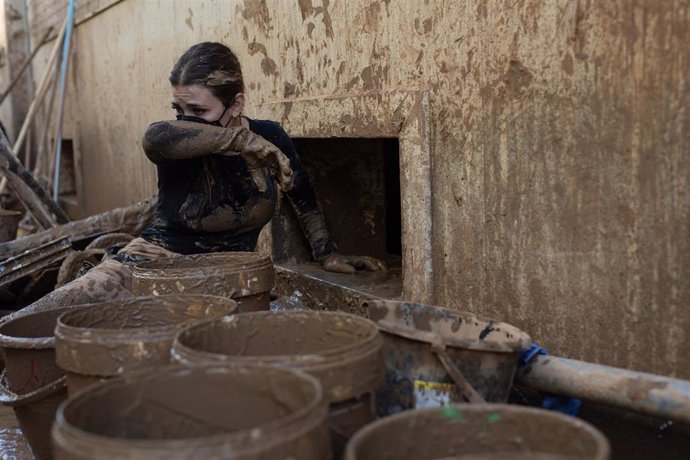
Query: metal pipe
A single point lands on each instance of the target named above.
(63, 80)
(640, 392)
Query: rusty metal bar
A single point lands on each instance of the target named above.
(640, 392)
(33, 260)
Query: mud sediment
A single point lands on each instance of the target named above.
(245, 413)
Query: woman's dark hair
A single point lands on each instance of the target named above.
(212, 65)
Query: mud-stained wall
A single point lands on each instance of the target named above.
(558, 134)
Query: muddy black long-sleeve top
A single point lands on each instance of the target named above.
(209, 203)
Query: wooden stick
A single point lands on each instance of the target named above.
(133, 220)
(45, 147)
(36, 199)
(42, 88)
(25, 65)
(24, 195)
(48, 76)
(15, 149)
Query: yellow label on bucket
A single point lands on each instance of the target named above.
(431, 394)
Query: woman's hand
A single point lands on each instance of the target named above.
(259, 153)
(350, 264)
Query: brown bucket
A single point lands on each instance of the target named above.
(179, 412)
(478, 432)
(246, 277)
(31, 382)
(436, 356)
(342, 350)
(99, 341)
(9, 222)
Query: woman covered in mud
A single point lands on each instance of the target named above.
(217, 170)
(218, 173)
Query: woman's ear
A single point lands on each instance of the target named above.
(237, 105)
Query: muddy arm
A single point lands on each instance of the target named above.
(306, 205)
(179, 140)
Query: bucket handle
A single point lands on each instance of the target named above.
(438, 347)
(12, 399)
(466, 390)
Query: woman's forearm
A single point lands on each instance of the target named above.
(314, 227)
(178, 140)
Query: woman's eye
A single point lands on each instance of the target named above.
(199, 111)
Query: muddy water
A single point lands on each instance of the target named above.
(177, 412)
(12, 443)
(34, 385)
(512, 456)
(478, 432)
(343, 351)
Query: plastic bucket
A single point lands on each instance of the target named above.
(31, 382)
(246, 277)
(342, 350)
(99, 341)
(436, 356)
(177, 412)
(478, 432)
(9, 222)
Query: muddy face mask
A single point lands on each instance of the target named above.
(195, 119)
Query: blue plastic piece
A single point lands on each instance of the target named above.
(563, 404)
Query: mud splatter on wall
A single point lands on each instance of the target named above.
(558, 135)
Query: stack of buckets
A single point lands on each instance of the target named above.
(196, 366)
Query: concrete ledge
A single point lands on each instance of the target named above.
(322, 290)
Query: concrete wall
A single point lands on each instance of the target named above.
(554, 142)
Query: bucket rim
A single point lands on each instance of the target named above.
(159, 269)
(239, 279)
(11, 399)
(603, 445)
(30, 343)
(283, 425)
(313, 359)
(517, 342)
(66, 331)
(320, 367)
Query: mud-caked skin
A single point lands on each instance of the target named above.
(215, 196)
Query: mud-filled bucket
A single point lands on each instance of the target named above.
(246, 277)
(180, 412)
(31, 383)
(9, 222)
(343, 351)
(436, 356)
(478, 432)
(99, 341)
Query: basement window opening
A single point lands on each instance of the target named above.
(357, 182)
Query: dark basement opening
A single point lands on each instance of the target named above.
(357, 182)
